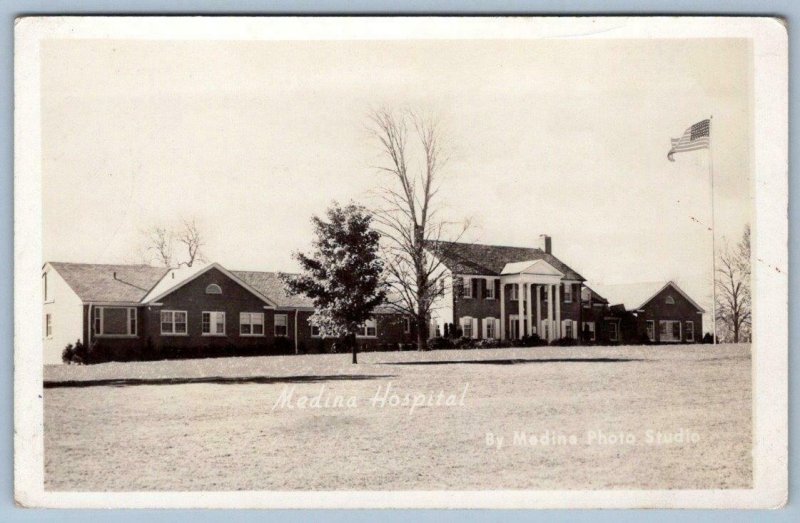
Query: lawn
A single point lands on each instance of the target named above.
(533, 418)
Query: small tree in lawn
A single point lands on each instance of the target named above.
(343, 273)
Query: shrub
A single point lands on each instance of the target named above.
(708, 338)
(283, 345)
(446, 330)
(440, 343)
(488, 343)
(68, 354)
(465, 343)
(75, 354)
(534, 341)
(564, 342)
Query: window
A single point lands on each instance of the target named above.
(490, 333)
(368, 329)
(315, 331)
(48, 325)
(132, 320)
(670, 300)
(213, 289)
(173, 323)
(44, 287)
(613, 331)
(546, 330)
(466, 327)
(490, 290)
(98, 321)
(514, 294)
(588, 330)
(251, 324)
(568, 294)
(372, 328)
(669, 330)
(689, 331)
(651, 330)
(407, 325)
(114, 321)
(281, 325)
(568, 329)
(467, 287)
(213, 323)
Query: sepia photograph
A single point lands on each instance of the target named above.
(418, 262)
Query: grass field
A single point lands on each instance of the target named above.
(240, 423)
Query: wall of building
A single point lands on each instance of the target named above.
(150, 343)
(682, 310)
(64, 307)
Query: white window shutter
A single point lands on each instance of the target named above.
(475, 333)
(485, 323)
(563, 328)
(497, 328)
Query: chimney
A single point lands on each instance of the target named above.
(545, 243)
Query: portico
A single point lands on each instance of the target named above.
(528, 281)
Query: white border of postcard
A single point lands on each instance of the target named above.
(770, 272)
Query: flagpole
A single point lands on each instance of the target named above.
(713, 238)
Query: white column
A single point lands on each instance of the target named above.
(550, 312)
(539, 310)
(521, 317)
(529, 300)
(502, 311)
(558, 310)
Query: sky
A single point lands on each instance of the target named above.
(549, 136)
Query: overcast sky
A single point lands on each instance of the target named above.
(563, 137)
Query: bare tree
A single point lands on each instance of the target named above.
(159, 248)
(733, 290)
(408, 215)
(192, 240)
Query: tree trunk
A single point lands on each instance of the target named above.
(351, 339)
(422, 334)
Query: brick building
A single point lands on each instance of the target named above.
(502, 292)
(135, 310)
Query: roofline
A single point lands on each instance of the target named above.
(224, 271)
(680, 291)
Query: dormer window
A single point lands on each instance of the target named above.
(213, 289)
(670, 300)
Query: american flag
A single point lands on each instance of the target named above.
(696, 137)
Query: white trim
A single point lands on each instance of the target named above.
(686, 332)
(102, 309)
(251, 334)
(678, 289)
(173, 323)
(221, 269)
(615, 323)
(275, 326)
(212, 316)
(671, 339)
(646, 324)
(364, 327)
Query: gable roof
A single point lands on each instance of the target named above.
(109, 283)
(490, 260)
(635, 296)
(588, 292)
(180, 277)
(270, 284)
(531, 267)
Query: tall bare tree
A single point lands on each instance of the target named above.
(733, 290)
(408, 215)
(159, 248)
(192, 240)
